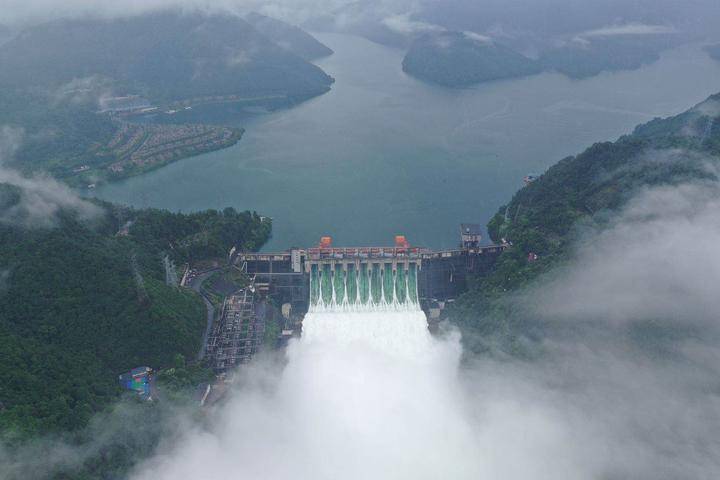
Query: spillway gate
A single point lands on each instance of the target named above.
(367, 278)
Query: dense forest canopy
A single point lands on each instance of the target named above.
(289, 37)
(63, 89)
(545, 218)
(587, 57)
(81, 303)
(163, 56)
(457, 59)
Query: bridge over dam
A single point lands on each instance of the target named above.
(326, 277)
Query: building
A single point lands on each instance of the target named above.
(470, 235)
(138, 380)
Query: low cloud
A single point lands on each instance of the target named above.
(629, 29)
(85, 90)
(240, 57)
(710, 107)
(126, 427)
(625, 385)
(10, 141)
(660, 260)
(22, 12)
(34, 201)
(4, 280)
(477, 37)
(405, 25)
(625, 374)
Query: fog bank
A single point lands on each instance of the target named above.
(625, 386)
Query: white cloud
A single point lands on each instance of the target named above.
(92, 89)
(4, 279)
(629, 29)
(373, 397)
(660, 259)
(710, 107)
(405, 25)
(477, 37)
(19, 11)
(40, 197)
(122, 427)
(240, 58)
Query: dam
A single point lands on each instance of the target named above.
(393, 278)
(312, 286)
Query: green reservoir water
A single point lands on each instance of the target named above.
(383, 154)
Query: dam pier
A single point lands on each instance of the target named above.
(368, 278)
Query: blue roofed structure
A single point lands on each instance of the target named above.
(138, 380)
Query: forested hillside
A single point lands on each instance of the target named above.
(85, 299)
(458, 59)
(76, 87)
(289, 37)
(714, 51)
(66, 137)
(163, 56)
(588, 57)
(543, 220)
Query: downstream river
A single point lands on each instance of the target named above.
(384, 154)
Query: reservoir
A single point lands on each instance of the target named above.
(384, 154)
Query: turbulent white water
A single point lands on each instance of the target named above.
(398, 333)
(369, 288)
(364, 395)
(373, 396)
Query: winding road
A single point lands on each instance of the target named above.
(196, 284)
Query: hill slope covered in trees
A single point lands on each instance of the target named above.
(164, 56)
(457, 59)
(81, 303)
(546, 217)
(74, 85)
(290, 37)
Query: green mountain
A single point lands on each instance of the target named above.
(542, 218)
(65, 136)
(85, 299)
(164, 57)
(714, 51)
(290, 37)
(456, 59)
(367, 19)
(68, 83)
(587, 57)
(59, 134)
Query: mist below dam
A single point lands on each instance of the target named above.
(373, 395)
(363, 395)
(368, 393)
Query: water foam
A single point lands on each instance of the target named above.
(364, 394)
(402, 333)
(377, 287)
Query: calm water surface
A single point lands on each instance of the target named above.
(383, 153)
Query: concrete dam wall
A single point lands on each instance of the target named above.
(368, 278)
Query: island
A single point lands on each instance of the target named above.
(461, 59)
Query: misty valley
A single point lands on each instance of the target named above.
(376, 239)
